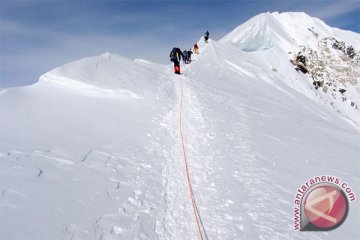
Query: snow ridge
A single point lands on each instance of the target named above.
(87, 89)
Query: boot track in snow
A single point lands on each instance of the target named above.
(197, 216)
(183, 169)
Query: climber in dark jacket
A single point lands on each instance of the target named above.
(175, 56)
(189, 55)
(206, 36)
(185, 57)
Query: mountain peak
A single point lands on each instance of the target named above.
(284, 30)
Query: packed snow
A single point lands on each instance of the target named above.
(93, 150)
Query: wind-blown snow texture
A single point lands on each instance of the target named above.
(92, 151)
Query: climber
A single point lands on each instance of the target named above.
(206, 36)
(189, 55)
(175, 56)
(196, 48)
(185, 57)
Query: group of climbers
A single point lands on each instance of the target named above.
(176, 55)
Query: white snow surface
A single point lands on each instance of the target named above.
(284, 30)
(92, 151)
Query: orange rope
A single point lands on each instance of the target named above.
(186, 163)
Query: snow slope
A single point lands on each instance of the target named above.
(73, 152)
(279, 37)
(92, 151)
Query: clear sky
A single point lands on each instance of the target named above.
(38, 35)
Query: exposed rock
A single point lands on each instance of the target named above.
(331, 66)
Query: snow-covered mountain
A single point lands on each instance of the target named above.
(330, 56)
(93, 150)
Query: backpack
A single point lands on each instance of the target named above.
(173, 55)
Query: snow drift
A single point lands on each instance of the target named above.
(92, 151)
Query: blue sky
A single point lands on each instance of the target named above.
(36, 36)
